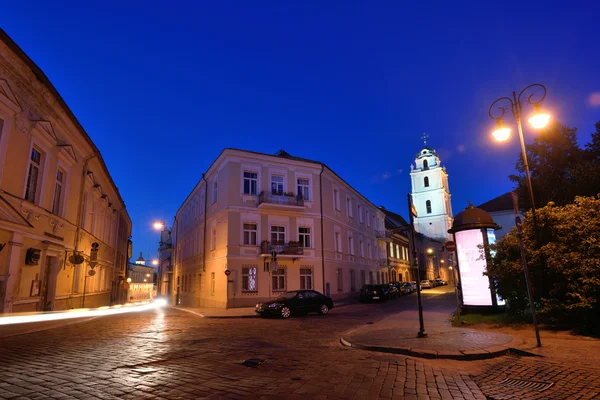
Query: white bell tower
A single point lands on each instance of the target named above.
(431, 195)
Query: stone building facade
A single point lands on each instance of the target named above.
(249, 207)
(57, 198)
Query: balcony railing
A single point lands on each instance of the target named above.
(290, 248)
(284, 199)
(383, 234)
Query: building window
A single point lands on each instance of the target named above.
(340, 280)
(213, 244)
(371, 281)
(306, 279)
(249, 279)
(361, 248)
(397, 251)
(349, 207)
(369, 250)
(360, 217)
(35, 164)
(350, 244)
(213, 284)
(304, 188)
(279, 280)
(304, 237)
(278, 234)
(250, 182)
(426, 181)
(277, 184)
(58, 192)
(428, 205)
(391, 250)
(425, 164)
(250, 234)
(336, 199)
(367, 218)
(352, 281)
(215, 192)
(338, 242)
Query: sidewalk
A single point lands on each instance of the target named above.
(398, 334)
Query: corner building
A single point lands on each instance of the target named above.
(56, 199)
(247, 206)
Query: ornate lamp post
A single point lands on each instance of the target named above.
(538, 120)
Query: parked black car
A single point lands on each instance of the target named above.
(393, 291)
(374, 293)
(295, 302)
(399, 287)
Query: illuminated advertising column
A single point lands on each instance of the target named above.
(473, 231)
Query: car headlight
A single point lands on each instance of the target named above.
(273, 305)
(257, 305)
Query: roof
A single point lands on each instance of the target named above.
(39, 74)
(393, 220)
(503, 202)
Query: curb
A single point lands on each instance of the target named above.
(431, 354)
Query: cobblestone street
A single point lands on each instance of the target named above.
(172, 354)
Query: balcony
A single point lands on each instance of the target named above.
(385, 234)
(290, 249)
(280, 200)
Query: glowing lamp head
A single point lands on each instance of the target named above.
(501, 133)
(154, 262)
(429, 251)
(539, 119)
(128, 280)
(158, 225)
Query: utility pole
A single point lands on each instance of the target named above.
(412, 212)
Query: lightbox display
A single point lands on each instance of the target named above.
(472, 264)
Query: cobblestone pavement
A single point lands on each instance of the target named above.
(172, 354)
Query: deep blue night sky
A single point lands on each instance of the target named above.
(162, 88)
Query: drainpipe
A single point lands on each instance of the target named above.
(205, 221)
(322, 238)
(80, 210)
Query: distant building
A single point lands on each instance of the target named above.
(249, 206)
(165, 267)
(142, 277)
(57, 198)
(431, 195)
(397, 247)
(502, 210)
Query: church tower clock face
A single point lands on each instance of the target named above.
(431, 194)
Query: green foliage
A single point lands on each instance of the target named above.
(564, 269)
(560, 169)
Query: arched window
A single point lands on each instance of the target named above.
(428, 205)
(426, 181)
(425, 164)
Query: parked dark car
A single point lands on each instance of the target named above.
(393, 291)
(440, 282)
(408, 287)
(374, 293)
(295, 302)
(399, 287)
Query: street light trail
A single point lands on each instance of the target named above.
(78, 313)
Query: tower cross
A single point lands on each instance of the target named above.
(424, 137)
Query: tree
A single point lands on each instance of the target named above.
(568, 260)
(560, 169)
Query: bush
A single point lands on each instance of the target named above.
(564, 268)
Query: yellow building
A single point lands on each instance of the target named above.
(250, 206)
(57, 198)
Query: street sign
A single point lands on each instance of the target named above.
(450, 246)
(227, 272)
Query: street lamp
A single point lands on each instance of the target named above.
(538, 120)
(154, 262)
(158, 225)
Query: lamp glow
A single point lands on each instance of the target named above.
(154, 262)
(539, 120)
(158, 225)
(429, 251)
(501, 134)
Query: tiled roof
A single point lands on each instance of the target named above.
(501, 203)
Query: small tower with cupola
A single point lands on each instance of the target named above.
(431, 194)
